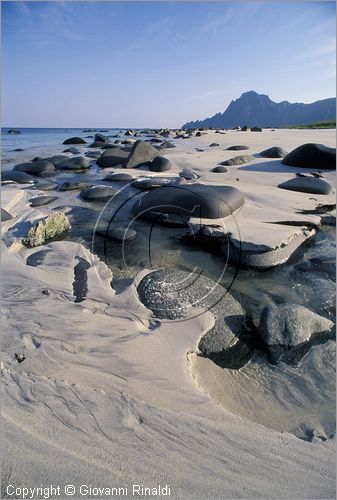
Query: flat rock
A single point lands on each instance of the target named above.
(274, 152)
(173, 294)
(46, 185)
(75, 163)
(17, 176)
(160, 164)
(312, 155)
(5, 216)
(238, 160)
(141, 152)
(39, 201)
(56, 159)
(190, 200)
(74, 140)
(220, 169)
(113, 157)
(54, 225)
(166, 145)
(93, 154)
(238, 147)
(286, 326)
(39, 167)
(307, 185)
(109, 146)
(214, 144)
(119, 233)
(98, 193)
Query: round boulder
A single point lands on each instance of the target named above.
(238, 160)
(72, 150)
(312, 155)
(113, 157)
(17, 176)
(189, 174)
(75, 163)
(119, 233)
(74, 140)
(160, 164)
(238, 147)
(39, 201)
(274, 152)
(220, 169)
(98, 193)
(40, 167)
(311, 185)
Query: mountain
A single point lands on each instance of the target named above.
(258, 110)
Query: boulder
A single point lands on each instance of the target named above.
(238, 160)
(14, 131)
(98, 193)
(238, 147)
(256, 129)
(118, 177)
(93, 154)
(214, 144)
(74, 140)
(96, 144)
(38, 158)
(18, 149)
(17, 176)
(189, 174)
(72, 150)
(311, 185)
(5, 216)
(109, 146)
(160, 164)
(141, 152)
(166, 145)
(119, 233)
(172, 294)
(75, 163)
(53, 226)
(284, 327)
(101, 138)
(274, 152)
(220, 169)
(40, 167)
(57, 159)
(112, 158)
(39, 201)
(312, 155)
(46, 185)
(190, 200)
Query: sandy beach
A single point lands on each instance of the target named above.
(98, 392)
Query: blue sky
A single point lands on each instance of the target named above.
(153, 64)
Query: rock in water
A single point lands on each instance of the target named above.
(5, 216)
(141, 152)
(101, 138)
(46, 185)
(40, 167)
(74, 151)
(119, 233)
(57, 159)
(38, 201)
(284, 327)
(172, 294)
(189, 174)
(96, 144)
(112, 157)
(75, 163)
(74, 140)
(98, 193)
(69, 186)
(274, 152)
(118, 177)
(307, 185)
(160, 164)
(312, 155)
(238, 160)
(56, 224)
(17, 176)
(93, 154)
(190, 200)
(238, 147)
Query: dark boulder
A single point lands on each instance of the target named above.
(274, 152)
(166, 145)
(93, 154)
(42, 200)
(14, 131)
(190, 200)
(18, 149)
(46, 185)
(101, 138)
(141, 152)
(160, 164)
(118, 177)
(57, 159)
(109, 146)
(189, 174)
(75, 163)
(238, 147)
(70, 186)
(40, 167)
(119, 233)
(74, 140)
(214, 144)
(256, 129)
(312, 155)
(98, 193)
(112, 158)
(307, 185)
(38, 158)
(96, 144)
(5, 216)
(220, 169)
(17, 176)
